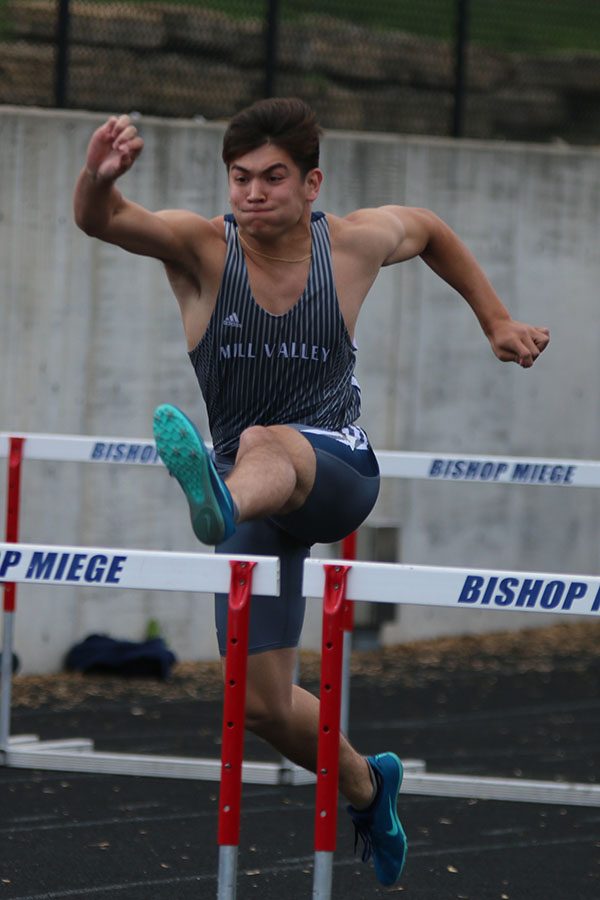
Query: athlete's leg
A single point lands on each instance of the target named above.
(287, 717)
(274, 471)
(322, 490)
(282, 713)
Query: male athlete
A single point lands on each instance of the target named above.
(269, 297)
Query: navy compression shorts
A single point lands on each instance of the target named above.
(344, 493)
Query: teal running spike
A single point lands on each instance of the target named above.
(184, 453)
(379, 826)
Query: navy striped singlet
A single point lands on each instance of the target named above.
(255, 368)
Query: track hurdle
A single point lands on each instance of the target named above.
(336, 582)
(125, 569)
(532, 592)
(144, 570)
(341, 582)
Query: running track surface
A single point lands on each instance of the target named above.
(83, 836)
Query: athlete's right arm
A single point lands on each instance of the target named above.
(103, 212)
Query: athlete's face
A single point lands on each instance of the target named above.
(267, 192)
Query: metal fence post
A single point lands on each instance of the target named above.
(463, 16)
(272, 39)
(61, 79)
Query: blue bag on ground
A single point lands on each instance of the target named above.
(100, 653)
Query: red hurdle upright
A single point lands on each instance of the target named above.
(234, 707)
(329, 729)
(348, 552)
(15, 459)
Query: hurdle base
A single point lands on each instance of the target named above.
(27, 751)
(512, 789)
(78, 755)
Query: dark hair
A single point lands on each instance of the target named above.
(286, 122)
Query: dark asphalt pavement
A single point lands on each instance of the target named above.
(78, 835)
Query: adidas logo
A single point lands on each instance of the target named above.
(232, 321)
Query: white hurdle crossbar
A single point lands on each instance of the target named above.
(485, 589)
(463, 588)
(481, 468)
(129, 569)
(82, 448)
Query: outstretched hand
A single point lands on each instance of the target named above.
(113, 149)
(516, 342)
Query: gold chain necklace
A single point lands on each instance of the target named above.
(274, 258)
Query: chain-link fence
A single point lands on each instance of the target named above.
(515, 69)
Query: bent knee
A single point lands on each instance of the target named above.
(280, 437)
(254, 436)
(262, 717)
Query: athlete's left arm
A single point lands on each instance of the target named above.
(419, 232)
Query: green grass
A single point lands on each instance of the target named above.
(510, 25)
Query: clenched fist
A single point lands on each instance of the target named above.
(113, 149)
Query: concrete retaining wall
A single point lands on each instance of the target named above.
(90, 343)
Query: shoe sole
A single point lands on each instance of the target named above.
(185, 456)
